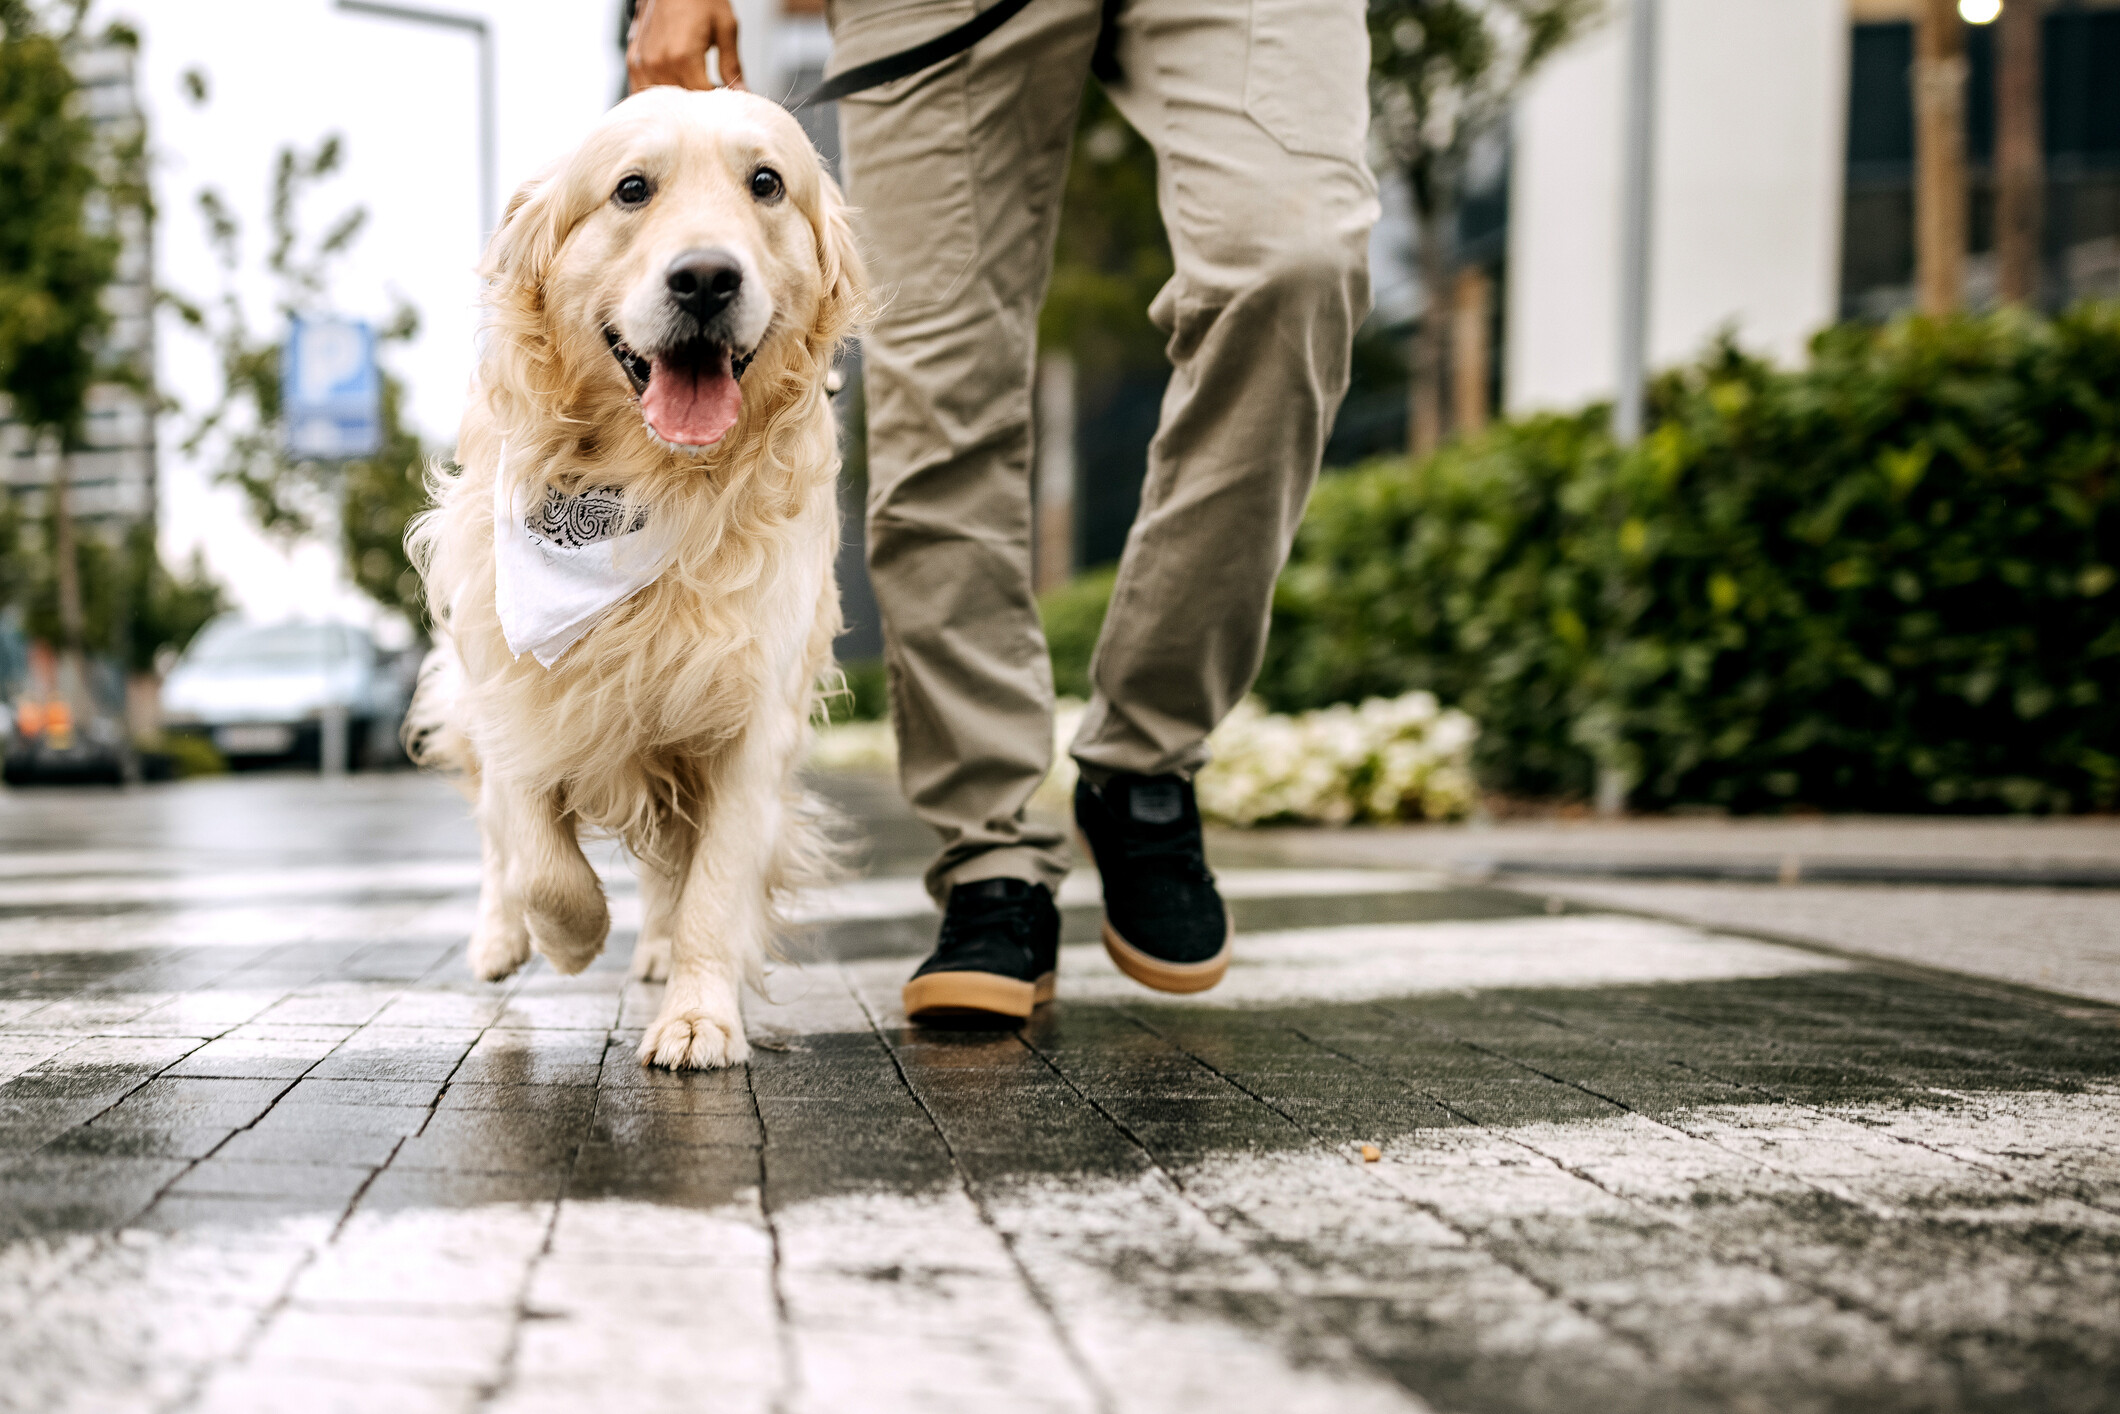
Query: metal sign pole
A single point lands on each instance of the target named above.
(488, 159)
(1637, 190)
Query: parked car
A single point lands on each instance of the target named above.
(44, 745)
(264, 692)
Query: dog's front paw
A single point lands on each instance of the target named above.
(693, 1038)
(497, 951)
(568, 930)
(651, 960)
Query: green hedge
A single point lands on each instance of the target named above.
(1884, 582)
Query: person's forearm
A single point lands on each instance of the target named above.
(670, 41)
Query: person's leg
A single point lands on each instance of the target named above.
(957, 176)
(1257, 114)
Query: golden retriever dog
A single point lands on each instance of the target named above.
(663, 309)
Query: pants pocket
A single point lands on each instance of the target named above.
(907, 153)
(1306, 79)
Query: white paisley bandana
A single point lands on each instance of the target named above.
(559, 569)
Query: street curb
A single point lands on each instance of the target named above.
(1793, 869)
(2077, 1005)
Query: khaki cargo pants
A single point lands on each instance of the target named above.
(1257, 111)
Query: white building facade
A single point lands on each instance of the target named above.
(1759, 191)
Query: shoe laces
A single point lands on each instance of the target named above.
(1175, 849)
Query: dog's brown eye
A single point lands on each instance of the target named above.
(632, 191)
(766, 184)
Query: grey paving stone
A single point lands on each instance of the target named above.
(505, 1055)
(73, 1084)
(2067, 939)
(49, 1116)
(705, 1177)
(1732, 1177)
(251, 1391)
(219, 1218)
(251, 1060)
(232, 1176)
(419, 1094)
(169, 1098)
(21, 1137)
(401, 1189)
(655, 1130)
(158, 1141)
(291, 1116)
(45, 1196)
(564, 1103)
(388, 1067)
(492, 1141)
(290, 1144)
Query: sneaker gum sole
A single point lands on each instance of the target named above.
(1164, 976)
(1154, 972)
(976, 991)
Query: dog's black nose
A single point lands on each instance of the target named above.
(703, 282)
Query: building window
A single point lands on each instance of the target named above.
(2080, 51)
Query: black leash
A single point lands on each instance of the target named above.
(947, 45)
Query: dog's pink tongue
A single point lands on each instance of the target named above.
(691, 406)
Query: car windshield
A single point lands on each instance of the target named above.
(284, 646)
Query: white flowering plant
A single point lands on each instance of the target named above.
(1389, 759)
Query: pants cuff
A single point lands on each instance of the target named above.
(1033, 866)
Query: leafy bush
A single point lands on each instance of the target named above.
(864, 693)
(1073, 614)
(1882, 582)
(134, 608)
(1463, 575)
(189, 755)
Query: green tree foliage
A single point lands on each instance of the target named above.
(55, 260)
(371, 499)
(1444, 72)
(380, 496)
(1886, 581)
(66, 190)
(1112, 254)
(1073, 616)
(133, 608)
(1442, 76)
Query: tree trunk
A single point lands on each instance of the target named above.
(1431, 337)
(1472, 302)
(2020, 165)
(1939, 156)
(1053, 472)
(66, 568)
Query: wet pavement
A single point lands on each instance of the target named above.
(265, 1145)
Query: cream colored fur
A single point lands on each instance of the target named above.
(676, 723)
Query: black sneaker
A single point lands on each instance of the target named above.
(1000, 943)
(1164, 924)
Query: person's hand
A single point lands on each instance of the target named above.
(670, 42)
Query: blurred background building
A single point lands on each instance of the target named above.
(1781, 199)
(112, 474)
(1782, 182)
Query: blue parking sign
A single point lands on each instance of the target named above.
(330, 390)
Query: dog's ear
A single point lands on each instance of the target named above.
(522, 249)
(846, 284)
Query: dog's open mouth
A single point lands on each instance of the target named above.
(689, 394)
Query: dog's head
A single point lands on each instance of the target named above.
(692, 240)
